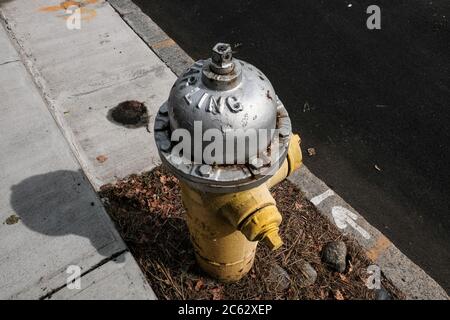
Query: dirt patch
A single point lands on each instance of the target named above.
(131, 114)
(13, 219)
(148, 212)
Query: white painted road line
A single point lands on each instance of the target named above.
(344, 217)
(321, 197)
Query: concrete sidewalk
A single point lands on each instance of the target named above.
(50, 216)
(83, 73)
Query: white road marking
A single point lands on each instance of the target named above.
(318, 199)
(344, 217)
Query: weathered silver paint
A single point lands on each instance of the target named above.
(226, 94)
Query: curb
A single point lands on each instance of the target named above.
(404, 274)
(161, 44)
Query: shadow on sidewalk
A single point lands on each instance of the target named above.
(2, 2)
(61, 203)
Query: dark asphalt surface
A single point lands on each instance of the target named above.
(378, 99)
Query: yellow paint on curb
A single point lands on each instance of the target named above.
(67, 4)
(164, 44)
(380, 246)
(85, 12)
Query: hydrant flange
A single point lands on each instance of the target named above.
(220, 178)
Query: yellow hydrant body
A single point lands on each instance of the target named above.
(225, 228)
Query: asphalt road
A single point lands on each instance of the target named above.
(378, 100)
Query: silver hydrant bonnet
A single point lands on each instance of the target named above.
(232, 97)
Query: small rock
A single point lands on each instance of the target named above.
(278, 278)
(334, 255)
(338, 295)
(307, 274)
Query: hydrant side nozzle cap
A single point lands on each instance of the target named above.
(273, 240)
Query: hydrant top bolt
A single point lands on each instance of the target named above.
(222, 59)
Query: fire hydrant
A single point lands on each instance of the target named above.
(227, 137)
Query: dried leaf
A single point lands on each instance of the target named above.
(101, 158)
(189, 284)
(216, 292)
(350, 267)
(198, 285)
(338, 295)
(322, 294)
(343, 278)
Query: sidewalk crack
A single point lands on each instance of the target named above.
(7, 62)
